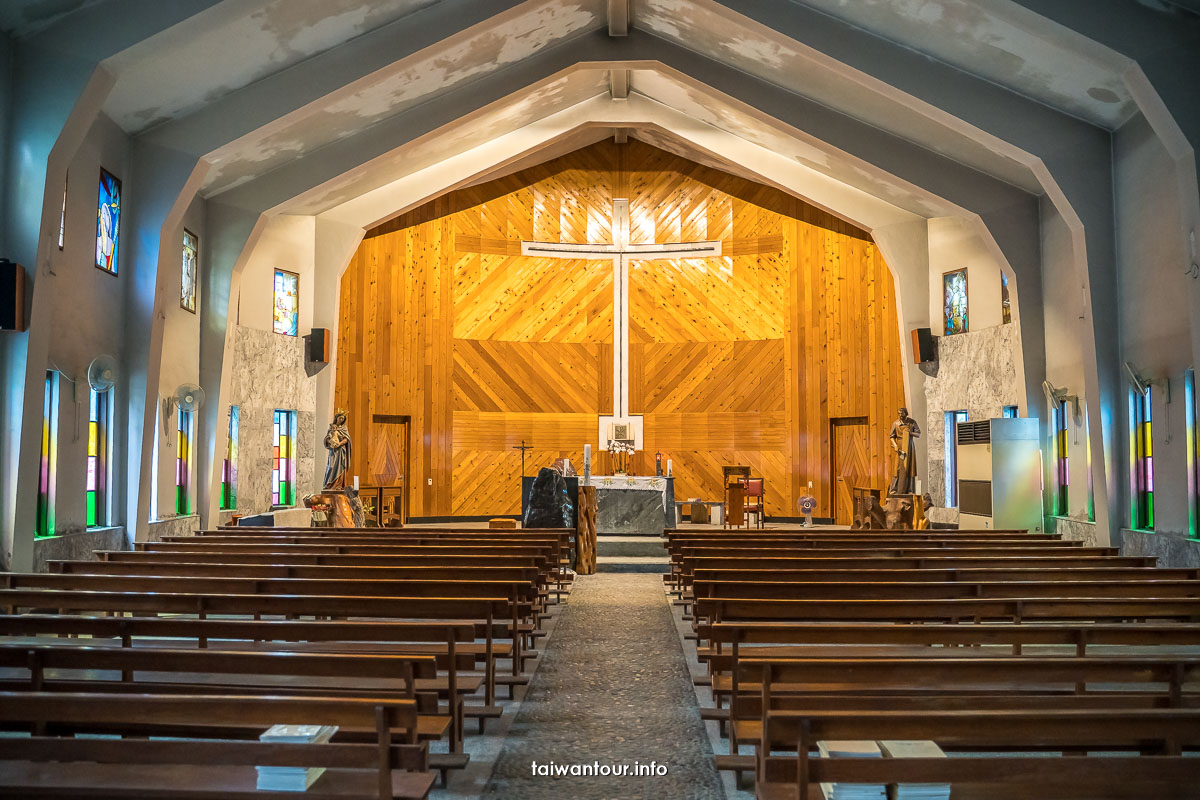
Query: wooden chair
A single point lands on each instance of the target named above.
(753, 488)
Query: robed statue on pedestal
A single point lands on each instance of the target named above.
(904, 431)
(337, 442)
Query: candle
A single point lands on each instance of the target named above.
(356, 483)
(670, 463)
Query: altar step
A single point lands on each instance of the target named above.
(630, 554)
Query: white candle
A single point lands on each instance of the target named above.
(356, 483)
(669, 465)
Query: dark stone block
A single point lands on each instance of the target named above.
(549, 504)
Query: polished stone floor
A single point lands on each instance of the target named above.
(612, 690)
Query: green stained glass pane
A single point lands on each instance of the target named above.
(91, 509)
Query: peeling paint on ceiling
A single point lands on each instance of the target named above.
(230, 46)
(1006, 44)
(401, 87)
(511, 114)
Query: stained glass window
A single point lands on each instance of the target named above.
(97, 459)
(62, 217)
(952, 420)
(45, 495)
(1009, 412)
(1087, 453)
(183, 464)
(108, 223)
(187, 286)
(1062, 475)
(229, 464)
(954, 286)
(1141, 460)
(1005, 301)
(287, 302)
(283, 459)
(1192, 450)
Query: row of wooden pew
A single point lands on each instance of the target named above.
(398, 637)
(1000, 642)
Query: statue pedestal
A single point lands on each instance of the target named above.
(340, 513)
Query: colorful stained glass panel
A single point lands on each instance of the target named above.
(954, 286)
(108, 223)
(183, 464)
(287, 302)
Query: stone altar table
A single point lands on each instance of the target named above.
(634, 505)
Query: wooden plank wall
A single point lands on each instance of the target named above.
(741, 359)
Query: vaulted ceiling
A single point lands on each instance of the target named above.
(304, 105)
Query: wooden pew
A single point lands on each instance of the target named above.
(886, 590)
(978, 683)
(1015, 609)
(946, 561)
(206, 770)
(450, 642)
(1015, 776)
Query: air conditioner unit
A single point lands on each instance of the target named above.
(1000, 474)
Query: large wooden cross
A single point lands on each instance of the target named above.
(621, 252)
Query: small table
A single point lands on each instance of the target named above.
(716, 510)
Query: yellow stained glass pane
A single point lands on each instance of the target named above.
(92, 438)
(1147, 441)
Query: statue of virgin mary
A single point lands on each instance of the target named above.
(337, 442)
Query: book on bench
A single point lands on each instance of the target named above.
(851, 791)
(293, 779)
(916, 748)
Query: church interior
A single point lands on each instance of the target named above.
(610, 398)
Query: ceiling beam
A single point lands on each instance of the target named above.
(618, 84)
(618, 17)
(267, 100)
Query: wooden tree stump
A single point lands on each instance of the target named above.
(585, 531)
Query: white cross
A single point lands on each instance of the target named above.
(621, 251)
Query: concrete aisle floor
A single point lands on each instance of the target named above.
(612, 687)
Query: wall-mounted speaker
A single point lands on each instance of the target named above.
(924, 346)
(316, 346)
(12, 296)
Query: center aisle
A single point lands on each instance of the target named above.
(612, 687)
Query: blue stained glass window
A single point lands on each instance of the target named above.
(108, 223)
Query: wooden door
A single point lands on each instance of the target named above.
(850, 464)
(387, 458)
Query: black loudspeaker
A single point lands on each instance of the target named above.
(317, 346)
(12, 296)
(924, 346)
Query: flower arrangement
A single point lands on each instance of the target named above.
(621, 450)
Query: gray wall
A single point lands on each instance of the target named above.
(268, 373)
(978, 371)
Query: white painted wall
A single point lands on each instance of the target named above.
(180, 361)
(287, 243)
(1154, 303)
(955, 243)
(88, 312)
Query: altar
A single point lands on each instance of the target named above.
(634, 505)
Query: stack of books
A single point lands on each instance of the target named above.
(851, 791)
(293, 779)
(916, 749)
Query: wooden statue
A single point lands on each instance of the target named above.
(337, 442)
(904, 431)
